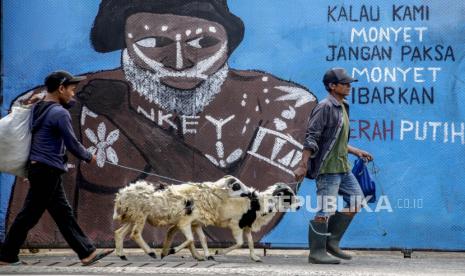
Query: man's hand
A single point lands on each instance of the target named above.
(301, 170)
(93, 161)
(299, 173)
(362, 154)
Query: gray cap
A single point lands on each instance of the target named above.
(57, 78)
(337, 75)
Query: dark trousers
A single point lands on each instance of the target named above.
(45, 193)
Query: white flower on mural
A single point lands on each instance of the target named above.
(102, 144)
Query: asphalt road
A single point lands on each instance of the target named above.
(276, 262)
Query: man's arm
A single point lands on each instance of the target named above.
(70, 140)
(315, 127)
(302, 168)
(360, 153)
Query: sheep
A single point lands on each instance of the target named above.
(177, 205)
(244, 216)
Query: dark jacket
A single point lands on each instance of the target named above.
(52, 134)
(324, 127)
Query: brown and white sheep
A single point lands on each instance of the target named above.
(178, 205)
(244, 216)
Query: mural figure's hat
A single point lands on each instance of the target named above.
(108, 33)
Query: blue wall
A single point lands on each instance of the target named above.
(290, 39)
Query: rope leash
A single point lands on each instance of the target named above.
(375, 171)
(172, 179)
(141, 171)
(160, 176)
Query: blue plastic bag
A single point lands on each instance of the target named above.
(360, 170)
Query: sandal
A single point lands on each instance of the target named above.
(13, 264)
(97, 257)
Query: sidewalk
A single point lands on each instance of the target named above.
(276, 262)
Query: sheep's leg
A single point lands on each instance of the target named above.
(136, 235)
(203, 241)
(120, 234)
(187, 231)
(195, 254)
(248, 234)
(168, 240)
(238, 237)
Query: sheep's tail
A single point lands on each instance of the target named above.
(116, 214)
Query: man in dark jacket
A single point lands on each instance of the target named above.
(52, 134)
(326, 145)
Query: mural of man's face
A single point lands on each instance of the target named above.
(184, 51)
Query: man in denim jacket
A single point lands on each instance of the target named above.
(326, 145)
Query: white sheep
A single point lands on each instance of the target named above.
(177, 205)
(244, 216)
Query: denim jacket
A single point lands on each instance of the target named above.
(324, 127)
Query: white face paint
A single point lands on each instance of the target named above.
(187, 102)
(198, 71)
(179, 59)
(177, 71)
(181, 49)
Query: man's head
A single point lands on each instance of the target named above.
(335, 76)
(183, 42)
(337, 82)
(63, 84)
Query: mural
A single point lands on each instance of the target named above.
(175, 109)
(192, 94)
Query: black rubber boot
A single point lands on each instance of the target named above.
(337, 226)
(317, 235)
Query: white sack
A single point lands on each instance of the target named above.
(15, 140)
